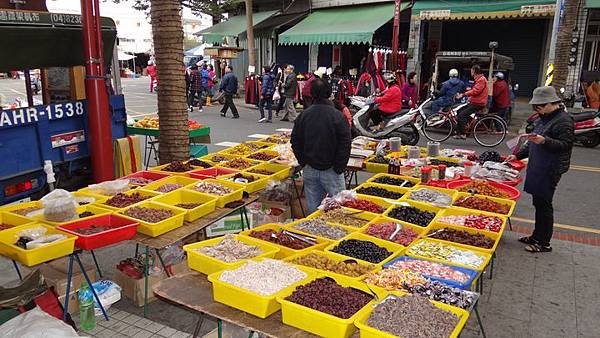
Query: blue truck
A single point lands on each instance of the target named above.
(57, 130)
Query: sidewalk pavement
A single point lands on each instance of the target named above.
(531, 295)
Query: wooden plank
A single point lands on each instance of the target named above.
(193, 291)
(189, 228)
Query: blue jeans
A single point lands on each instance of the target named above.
(317, 183)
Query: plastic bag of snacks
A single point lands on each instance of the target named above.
(338, 200)
(110, 188)
(276, 191)
(59, 206)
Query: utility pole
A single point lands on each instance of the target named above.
(250, 34)
(396, 35)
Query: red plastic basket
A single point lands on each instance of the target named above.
(516, 164)
(150, 175)
(513, 193)
(122, 229)
(211, 173)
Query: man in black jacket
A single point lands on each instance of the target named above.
(229, 85)
(321, 142)
(549, 153)
(290, 85)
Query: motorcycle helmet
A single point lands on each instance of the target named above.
(389, 78)
(453, 73)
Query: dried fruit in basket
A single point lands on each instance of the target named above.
(462, 237)
(363, 250)
(387, 230)
(365, 205)
(482, 187)
(266, 277)
(178, 167)
(278, 237)
(230, 250)
(239, 164)
(482, 203)
(149, 215)
(347, 267)
(212, 188)
(262, 156)
(121, 200)
(168, 187)
(412, 215)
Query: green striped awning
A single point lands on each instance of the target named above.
(592, 3)
(343, 25)
(482, 9)
(233, 27)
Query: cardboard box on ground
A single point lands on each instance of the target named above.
(134, 288)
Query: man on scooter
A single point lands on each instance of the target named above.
(389, 103)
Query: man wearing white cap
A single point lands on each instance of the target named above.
(549, 155)
(501, 96)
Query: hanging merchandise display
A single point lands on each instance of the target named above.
(252, 89)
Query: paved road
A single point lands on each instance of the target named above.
(576, 201)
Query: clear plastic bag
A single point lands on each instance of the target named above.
(110, 188)
(59, 206)
(276, 191)
(338, 200)
(33, 233)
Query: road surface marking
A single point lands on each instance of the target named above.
(16, 91)
(559, 225)
(586, 168)
(258, 136)
(227, 144)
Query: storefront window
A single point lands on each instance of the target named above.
(591, 53)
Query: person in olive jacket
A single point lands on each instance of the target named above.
(549, 152)
(290, 86)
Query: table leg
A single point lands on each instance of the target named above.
(250, 334)
(96, 262)
(146, 153)
(245, 211)
(162, 263)
(17, 268)
(479, 320)
(198, 325)
(137, 249)
(69, 277)
(299, 196)
(242, 220)
(87, 279)
(146, 268)
(492, 265)
(509, 224)
(220, 328)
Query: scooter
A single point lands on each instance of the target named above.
(587, 127)
(357, 103)
(401, 124)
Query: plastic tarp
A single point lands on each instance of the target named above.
(36, 323)
(344, 25)
(124, 56)
(233, 27)
(592, 3)
(481, 9)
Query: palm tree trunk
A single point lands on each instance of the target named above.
(563, 43)
(167, 33)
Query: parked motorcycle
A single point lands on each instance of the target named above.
(587, 127)
(400, 124)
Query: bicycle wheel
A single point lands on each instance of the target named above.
(437, 127)
(489, 131)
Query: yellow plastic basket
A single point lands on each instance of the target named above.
(418, 205)
(181, 180)
(375, 167)
(265, 151)
(383, 219)
(12, 208)
(208, 202)
(248, 301)
(284, 251)
(93, 208)
(259, 183)
(494, 236)
(279, 171)
(13, 220)
(407, 178)
(146, 193)
(253, 164)
(481, 267)
(395, 249)
(222, 200)
(291, 227)
(450, 192)
(207, 265)
(101, 197)
(88, 198)
(455, 211)
(238, 151)
(36, 256)
(316, 322)
(334, 257)
(512, 204)
(160, 169)
(391, 188)
(369, 332)
(367, 216)
(157, 229)
(210, 158)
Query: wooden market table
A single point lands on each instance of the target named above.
(188, 229)
(200, 135)
(193, 292)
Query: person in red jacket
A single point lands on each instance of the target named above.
(478, 96)
(389, 103)
(501, 97)
(151, 70)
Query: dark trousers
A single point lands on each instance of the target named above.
(268, 102)
(229, 104)
(308, 101)
(375, 116)
(464, 116)
(502, 113)
(544, 218)
(281, 104)
(195, 93)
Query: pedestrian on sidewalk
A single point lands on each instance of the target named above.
(290, 85)
(267, 89)
(344, 110)
(196, 88)
(229, 87)
(500, 96)
(151, 70)
(549, 152)
(211, 84)
(321, 142)
(410, 95)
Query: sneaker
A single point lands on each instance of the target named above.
(235, 117)
(201, 110)
(269, 121)
(223, 114)
(190, 109)
(262, 120)
(460, 137)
